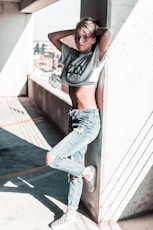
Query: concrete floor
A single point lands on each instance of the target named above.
(31, 194)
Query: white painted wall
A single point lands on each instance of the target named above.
(128, 119)
(16, 42)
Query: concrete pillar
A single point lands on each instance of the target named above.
(16, 45)
(123, 152)
(98, 10)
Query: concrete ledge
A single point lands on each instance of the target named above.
(54, 103)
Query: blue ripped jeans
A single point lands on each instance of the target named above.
(69, 153)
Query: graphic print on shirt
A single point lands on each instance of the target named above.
(75, 69)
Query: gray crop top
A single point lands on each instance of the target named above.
(80, 69)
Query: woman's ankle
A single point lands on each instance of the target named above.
(86, 173)
(49, 158)
(70, 213)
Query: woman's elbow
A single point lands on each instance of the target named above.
(50, 36)
(109, 33)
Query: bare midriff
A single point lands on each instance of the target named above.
(83, 97)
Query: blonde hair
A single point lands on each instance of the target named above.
(88, 25)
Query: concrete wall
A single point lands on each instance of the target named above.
(16, 42)
(127, 174)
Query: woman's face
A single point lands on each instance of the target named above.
(84, 41)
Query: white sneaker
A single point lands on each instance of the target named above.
(63, 221)
(91, 183)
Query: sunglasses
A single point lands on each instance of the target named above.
(77, 38)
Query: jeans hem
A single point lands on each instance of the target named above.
(72, 208)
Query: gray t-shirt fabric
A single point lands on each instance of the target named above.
(80, 69)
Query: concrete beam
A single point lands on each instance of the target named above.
(10, 0)
(30, 6)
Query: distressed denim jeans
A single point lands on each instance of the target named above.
(69, 153)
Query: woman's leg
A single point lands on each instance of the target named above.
(65, 149)
(84, 129)
(86, 125)
(76, 183)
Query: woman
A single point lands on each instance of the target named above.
(82, 67)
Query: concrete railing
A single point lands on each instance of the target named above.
(54, 103)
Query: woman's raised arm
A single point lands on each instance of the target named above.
(55, 37)
(105, 39)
